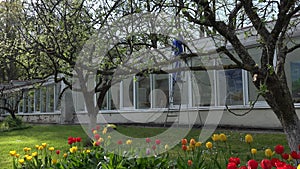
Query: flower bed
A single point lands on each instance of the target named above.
(213, 154)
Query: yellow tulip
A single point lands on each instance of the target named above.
(29, 158)
(34, 154)
(104, 131)
(209, 145)
(26, 149)
(44, 145)
(95, 132)
(109, 137)
(73, 149)
(88, 151)
(253, 151)
(13, 153)
(166, 147)
(223, 137)
(269, 152)
(188, 148)
(298, 166)
(128, 142)
(21, 161)
(37, 146)
(41, 148)
(198, 144)
(248, 138)
(17, 155)
(100, 139)
(65, 155)
(54, 161)
(215, 137)
(51, 148)
(290, 158)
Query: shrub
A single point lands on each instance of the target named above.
(9, 122)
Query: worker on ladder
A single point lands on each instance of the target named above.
(178, 49)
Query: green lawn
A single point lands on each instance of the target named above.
(56, 135)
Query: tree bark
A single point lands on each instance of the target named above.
(280, 100)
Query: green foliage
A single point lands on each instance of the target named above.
(10, 122)
(263, 89)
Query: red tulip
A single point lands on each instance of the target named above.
(153, 147)
(279, 149)
(157, 142)
(184, 147)
(71, 140)
(274, 160)
(57, 151)
(190, 162)
(294, 155)
(78, 139)
(285, 156)
(243, 167)
(231, 165)
(235, 160)
(98, 127)
(184, 141)
(120, 142)
(252, 164)
(279, 164)
(97, 143)
(148, 140)
(266, 164)
(97, 136)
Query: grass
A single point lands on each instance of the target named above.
(56, 135)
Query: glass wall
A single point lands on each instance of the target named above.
(127, 93)
(44, 99)
(230, 87)
(292, 68)
(160, 90)
(143, 92)
(203, 88)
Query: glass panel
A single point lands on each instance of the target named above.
(50, 100)
(25, 102)
(161, 90)
(233, 89)
(57, 94)
(292, 70)
(43, 93)
(180, 88)
(115, 97)
(295, 78)
(202, 88)
(128, 92)
(37, 100)
(143, 92)
(30, 101)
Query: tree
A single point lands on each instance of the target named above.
(15, 63)
(55, 34)
(272, 22)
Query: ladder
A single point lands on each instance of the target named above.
(174, 110)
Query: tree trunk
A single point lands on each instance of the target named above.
(280, 100)
(93, 120)
(13, 115)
